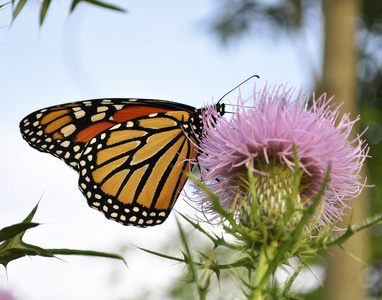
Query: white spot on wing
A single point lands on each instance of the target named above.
(87, 151)
(116, 126)
(65, 144)
(79, 114)
(98, 117)
(102, 108)
(68, 130)
(118, 106)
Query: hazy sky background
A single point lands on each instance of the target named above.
(159, 50)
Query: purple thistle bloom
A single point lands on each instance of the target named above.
(264, 138)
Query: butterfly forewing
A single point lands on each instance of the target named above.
(64, 130)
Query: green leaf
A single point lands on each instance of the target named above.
(18, 8)
(10, 231)
(29, 218)
(44, 8)
(97, 3)
(339, 239)
(74, 4)
(86, 253)
(14, 247)
(2, 5)
(163, 255)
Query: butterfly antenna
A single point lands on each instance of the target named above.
(257, 76)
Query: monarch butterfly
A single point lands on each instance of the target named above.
(130, 154)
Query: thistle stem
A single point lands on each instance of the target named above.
(267, 253)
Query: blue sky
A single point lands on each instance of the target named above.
(159, 50)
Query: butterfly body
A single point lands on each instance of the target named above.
(131, 154)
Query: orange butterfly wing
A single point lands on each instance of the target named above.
(131, 154)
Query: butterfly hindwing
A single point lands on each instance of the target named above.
(133, 172)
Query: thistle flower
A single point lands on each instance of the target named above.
(263, 138)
